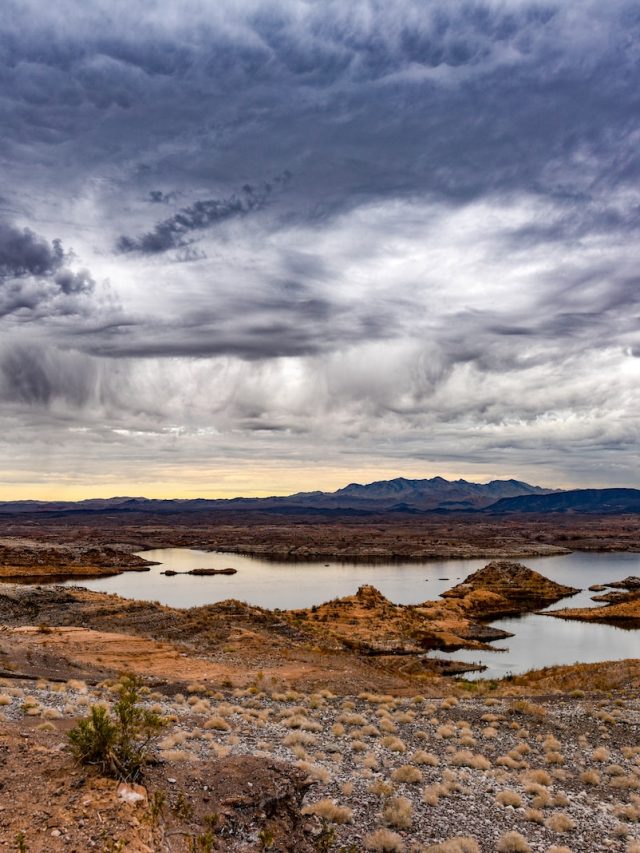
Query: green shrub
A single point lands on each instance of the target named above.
(117, 743)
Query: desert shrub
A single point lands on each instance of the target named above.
(117, 743)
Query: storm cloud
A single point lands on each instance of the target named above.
(35, 279)
(356, 234)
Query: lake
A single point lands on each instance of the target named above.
(539, 640)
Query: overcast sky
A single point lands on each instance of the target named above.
(255, 247)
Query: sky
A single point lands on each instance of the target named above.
(259, 247)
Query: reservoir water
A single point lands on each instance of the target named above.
(539, 640)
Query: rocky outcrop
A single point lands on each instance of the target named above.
(30, 559)
(251, 797)
(622, 605)
(505, 588)
(629, 583)
(371, 625)
(200, 572)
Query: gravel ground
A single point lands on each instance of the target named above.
(352, 748)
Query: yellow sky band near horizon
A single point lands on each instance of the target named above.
(226, 483)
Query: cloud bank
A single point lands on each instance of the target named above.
(329, 235)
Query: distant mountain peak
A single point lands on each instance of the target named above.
(400, 494)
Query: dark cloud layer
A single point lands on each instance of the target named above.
(447, 257)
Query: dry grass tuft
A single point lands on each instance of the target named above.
(177, 755)
(560, 822)
(534, 815)
(510, 762)
(330, 811)
(217, 723)
(513, 842)
(315, 772)
(298, 738)
(408, 774)
(445, 731)
(394, 744)
(464, 758)
(380, 788)
(398, 812)
(538, 777)
(460, 844)
(509, 798)
(384, 841)
(425, 758)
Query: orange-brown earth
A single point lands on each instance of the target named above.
(356, 634)
(368, 623)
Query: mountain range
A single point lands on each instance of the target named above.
(399, 495)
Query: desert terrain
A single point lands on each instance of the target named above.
(324, 729)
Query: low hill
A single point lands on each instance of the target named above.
(600, 501)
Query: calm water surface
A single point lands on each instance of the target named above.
(538, 641)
